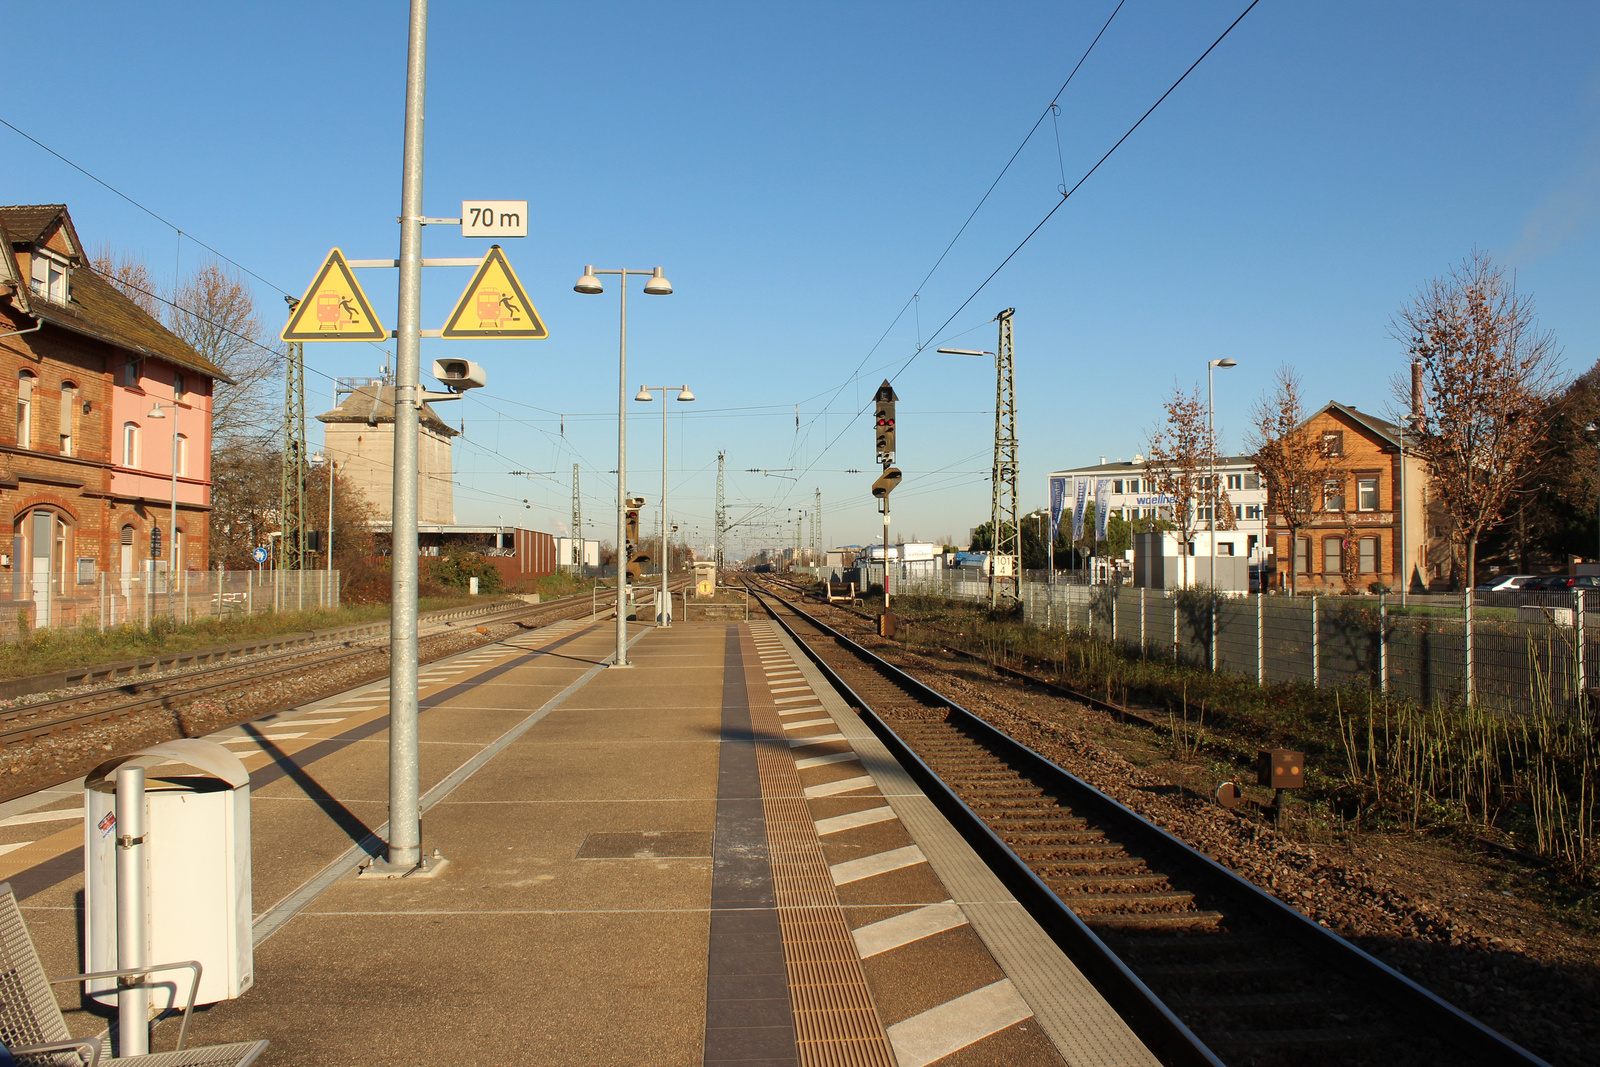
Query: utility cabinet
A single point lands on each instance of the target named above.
(197, 849)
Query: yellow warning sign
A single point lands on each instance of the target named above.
(494, 305)
(334, 308)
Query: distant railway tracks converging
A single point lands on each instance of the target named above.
(1207, 968)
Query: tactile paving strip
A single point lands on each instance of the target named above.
(836, 1024)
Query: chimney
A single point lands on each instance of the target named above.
(1102, 461)
(1416, 392)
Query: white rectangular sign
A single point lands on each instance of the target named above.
(494, 218)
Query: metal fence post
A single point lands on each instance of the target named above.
(1261, 639)
(1580, 675)
(1467, 615)
(1383, 645)
(1211, 595)
(1114, 598)
(1316, 646)
(1174, 628)
(1141, 622)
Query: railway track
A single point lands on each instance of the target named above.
(1206, 967)
(81, 709)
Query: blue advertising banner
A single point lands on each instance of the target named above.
(1058, 500)
(1082, 494)
(1101, 511)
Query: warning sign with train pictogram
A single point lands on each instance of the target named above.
(334, 308)
(494, 305)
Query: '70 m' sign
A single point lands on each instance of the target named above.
(494, 218)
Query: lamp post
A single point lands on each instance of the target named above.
(1211, 430)
(589, 285)
(645, 395)
(156, 412)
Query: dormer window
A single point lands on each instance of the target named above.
(50, 276)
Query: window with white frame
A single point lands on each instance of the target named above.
(1332, 557)
(1235, 481)
(69, 415)
(1252, 481)
(1252, 511)
(25, 384)
(1133, 485)
(1366, 494)
(1333, 495)
(50, 277)
(130, 444)
(1369, 555)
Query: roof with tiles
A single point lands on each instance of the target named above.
(95, 307)
(373, 404)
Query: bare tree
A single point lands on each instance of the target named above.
(1293, 463)
(1490, 378)
(215, 313)
(132, 278)
(1182, 452)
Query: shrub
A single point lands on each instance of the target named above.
(457, 568)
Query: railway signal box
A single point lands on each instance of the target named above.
(1281, 768)
(884, 422)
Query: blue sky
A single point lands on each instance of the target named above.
(797, 169)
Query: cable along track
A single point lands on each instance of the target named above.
(1206, 967)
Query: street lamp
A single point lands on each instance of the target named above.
(1592, 428)
(1211, 429)
(156, 412)
(645, 396)
(589, 285)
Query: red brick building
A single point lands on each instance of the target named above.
(86, 472)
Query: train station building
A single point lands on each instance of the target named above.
(113, 419)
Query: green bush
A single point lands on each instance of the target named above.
(455, 569)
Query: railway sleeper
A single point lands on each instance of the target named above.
(1058, 854)
(1063, 878)
(1101, 904)
(1136, 922)
(1103, 866)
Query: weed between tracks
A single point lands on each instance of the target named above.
(1528, 780)
(48, 650)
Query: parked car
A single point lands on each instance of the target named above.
(1553, 583)
(1505, 583)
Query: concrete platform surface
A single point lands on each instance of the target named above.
(703, 858)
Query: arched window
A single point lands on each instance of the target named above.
(130, 444)
(25, 383)
(69, 415)
(183, 454)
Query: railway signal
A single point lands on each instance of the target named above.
(884, 423)
(635, 559)
(886, 483)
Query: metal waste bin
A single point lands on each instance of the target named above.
(197, 869)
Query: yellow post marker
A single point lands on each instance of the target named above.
(494, 305)
(334, 308)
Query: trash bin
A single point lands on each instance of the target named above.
(197, 849)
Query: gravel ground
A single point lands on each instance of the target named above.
(1434, 915)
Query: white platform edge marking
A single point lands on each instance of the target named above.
(955, 1024)
(907, 927)
(895, 859)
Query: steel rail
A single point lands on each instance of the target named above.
(1150, 1018)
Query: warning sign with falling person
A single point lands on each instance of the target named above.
(334, 308)
(494, 305)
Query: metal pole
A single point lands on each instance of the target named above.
(621, 657)
(1579, 643)
(405, 822)
(1471, 696)
(133, 998)
(173, 563)
(666, 559)
(1400, 522)
(1261, 638)
(1383, 645)
(1316, 646)
(1211, 431)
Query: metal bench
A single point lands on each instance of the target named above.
(34, 1031)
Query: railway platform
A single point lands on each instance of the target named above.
(704, 858)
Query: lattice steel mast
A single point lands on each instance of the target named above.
(1005, 571)
(292, 481)
(577, 524)
(722, 514)
(816, 528)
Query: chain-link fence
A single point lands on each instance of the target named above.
(1502, 651)
(105, 600)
